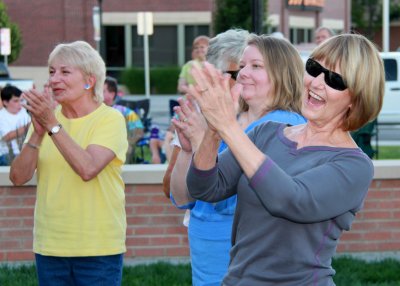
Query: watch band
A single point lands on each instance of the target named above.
(55, 129)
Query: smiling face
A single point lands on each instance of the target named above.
(323, 105)
(67, 82)
(254, 78)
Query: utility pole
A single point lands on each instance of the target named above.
(101, 27)
(257, 12)
(385, 26)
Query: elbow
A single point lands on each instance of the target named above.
(16, 180)
(87, 174)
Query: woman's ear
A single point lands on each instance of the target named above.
(90, 82)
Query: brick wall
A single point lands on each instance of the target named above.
(377, 226)
(155, 230)
(52, 22)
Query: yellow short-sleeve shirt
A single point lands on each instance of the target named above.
(74, 217)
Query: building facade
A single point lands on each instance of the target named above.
(45, 23)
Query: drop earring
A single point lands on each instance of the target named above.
(87, 86)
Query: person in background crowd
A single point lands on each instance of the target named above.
(322, 34)
(78, 151)
(270, 93)
(14, 123)
(199, 51)
(1, 103)
(133, 123)
(298, 187)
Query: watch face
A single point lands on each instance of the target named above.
(55, 129)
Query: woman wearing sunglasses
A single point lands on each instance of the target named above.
(298, 187)
(269, 93)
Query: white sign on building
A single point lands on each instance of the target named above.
(5, 41)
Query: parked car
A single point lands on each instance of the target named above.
(390, 112)
(5, 78)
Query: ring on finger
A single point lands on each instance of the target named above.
(203, 90)
(185, 120)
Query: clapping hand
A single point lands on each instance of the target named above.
(40, 106)
(217, 101)
(190, 124)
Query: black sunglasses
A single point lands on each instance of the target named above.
(334, 80)
(233, 74)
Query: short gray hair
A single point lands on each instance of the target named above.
(227, 47)
(329, 30)
(83, 56)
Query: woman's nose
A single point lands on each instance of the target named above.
(243, 73)
(319, 81)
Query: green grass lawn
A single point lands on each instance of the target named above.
(388, 152)
(350, 272)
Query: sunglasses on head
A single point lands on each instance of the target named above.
(332, 79)
(233, 74)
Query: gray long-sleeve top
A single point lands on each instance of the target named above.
(291, 213)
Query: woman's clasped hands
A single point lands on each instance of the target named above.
(40, 106)
(217, 101)
(189, 123)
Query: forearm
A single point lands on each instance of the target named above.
(24, 165)
(135, 135)
(86, 164)
(178, 179)
(182, 86)
(205, 157)
(246, 153)
(17, 133)
(168, 172)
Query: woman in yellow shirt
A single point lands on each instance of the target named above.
(77, 150)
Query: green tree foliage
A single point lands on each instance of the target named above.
(16, 42)
(234, 14)
(367, 15)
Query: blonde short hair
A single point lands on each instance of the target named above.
(83, 56)
(285, 70)
(362, 69)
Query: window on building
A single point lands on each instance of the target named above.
(300, 35)
(163, 49)
(114, 46)
(191, 32)
(390, 69)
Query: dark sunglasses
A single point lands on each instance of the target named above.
(233, 74)
(334, 80)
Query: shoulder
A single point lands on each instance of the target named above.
(266, 129)
(286, 116)
(123, 109)
(354, 162)
(104, 114)
(23, 113)
(109, 111)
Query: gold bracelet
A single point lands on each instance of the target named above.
(33, 145)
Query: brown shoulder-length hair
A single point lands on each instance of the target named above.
(285, 70)
(362, 70)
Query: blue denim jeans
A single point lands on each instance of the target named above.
(79, 271)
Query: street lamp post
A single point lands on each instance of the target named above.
(100, 2)
(257, 16)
